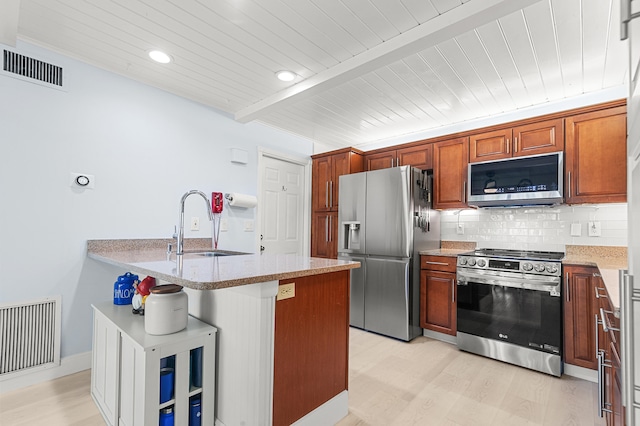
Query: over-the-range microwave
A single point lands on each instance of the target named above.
(517, 181)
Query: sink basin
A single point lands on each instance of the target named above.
(216, 253)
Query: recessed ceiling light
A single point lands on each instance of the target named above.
(159, 56)
(286, 75)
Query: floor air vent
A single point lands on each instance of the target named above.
(30, 68)
(29, 336)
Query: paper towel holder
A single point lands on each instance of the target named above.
(229, 198)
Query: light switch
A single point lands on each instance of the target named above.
(576, 229)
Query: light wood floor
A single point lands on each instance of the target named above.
(425, 382)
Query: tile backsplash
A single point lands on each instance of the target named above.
(538, 228)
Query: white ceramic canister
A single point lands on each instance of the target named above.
(165, 310)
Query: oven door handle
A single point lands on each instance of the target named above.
(508, 279)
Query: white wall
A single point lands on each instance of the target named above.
(145, 147)
(544, 228)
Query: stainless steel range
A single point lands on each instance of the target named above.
(510, 307)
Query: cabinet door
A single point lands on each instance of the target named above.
(438, 301)
(324, 238)
(381, 160)
(105, 367)
(490, 146)
(420, 157)
(321, 178)
(579, 317)
(596, 159)
(538, 138)
(450, 159)
(341, 166)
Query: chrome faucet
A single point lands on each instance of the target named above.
(180, 239)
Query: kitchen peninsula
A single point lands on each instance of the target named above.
(278, 362)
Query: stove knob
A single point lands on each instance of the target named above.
(482, 263)
(472, 262)
(527, 266)
(552, 269)
(462, 260)
(539, 267)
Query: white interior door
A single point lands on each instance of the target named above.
(283, 206)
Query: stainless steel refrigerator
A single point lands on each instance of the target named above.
(385, 219)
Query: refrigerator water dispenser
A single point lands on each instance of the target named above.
(351, 235)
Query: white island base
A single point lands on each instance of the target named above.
(245, 319)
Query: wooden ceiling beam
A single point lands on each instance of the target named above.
(459, 20)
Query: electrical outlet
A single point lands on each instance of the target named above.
(286, 291)
(595, 230)
(195, 223)
(224, 225)
(460, 229)
(248, 225)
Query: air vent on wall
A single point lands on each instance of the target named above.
(30, 68)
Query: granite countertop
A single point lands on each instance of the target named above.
(443, 252)
(208, 272)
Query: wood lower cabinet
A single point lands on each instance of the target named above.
(420, 156)
(529, 139)
(324, 235)
(311, 345)
(579, 316)
(596, 157)
(450, 161)
(438, 300)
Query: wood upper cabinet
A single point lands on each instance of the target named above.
(326, 170)
(417, 156)
(450, 160)
(438, 302)
(596, 157)
(580, 308)
(529, 139)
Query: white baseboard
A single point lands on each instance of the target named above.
(328, 413)
(68, 365)
(581, 373)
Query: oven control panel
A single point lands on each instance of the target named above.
(537, 267)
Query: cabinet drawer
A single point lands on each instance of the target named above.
(439, 263)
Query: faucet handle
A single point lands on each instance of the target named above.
(175, 232)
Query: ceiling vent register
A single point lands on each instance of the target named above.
(30, 68)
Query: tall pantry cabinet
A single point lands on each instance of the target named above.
(326, 170)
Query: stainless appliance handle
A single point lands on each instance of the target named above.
(566, 281)
(509, 279)
(602, 364)
(629, 295)
(569, 184)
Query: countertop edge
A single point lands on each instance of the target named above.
(228, 283)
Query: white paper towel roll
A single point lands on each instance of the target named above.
(242, 200)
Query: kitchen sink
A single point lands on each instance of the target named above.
(216, 254)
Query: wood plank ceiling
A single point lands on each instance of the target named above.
(367, 69)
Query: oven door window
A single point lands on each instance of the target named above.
(522, 317)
